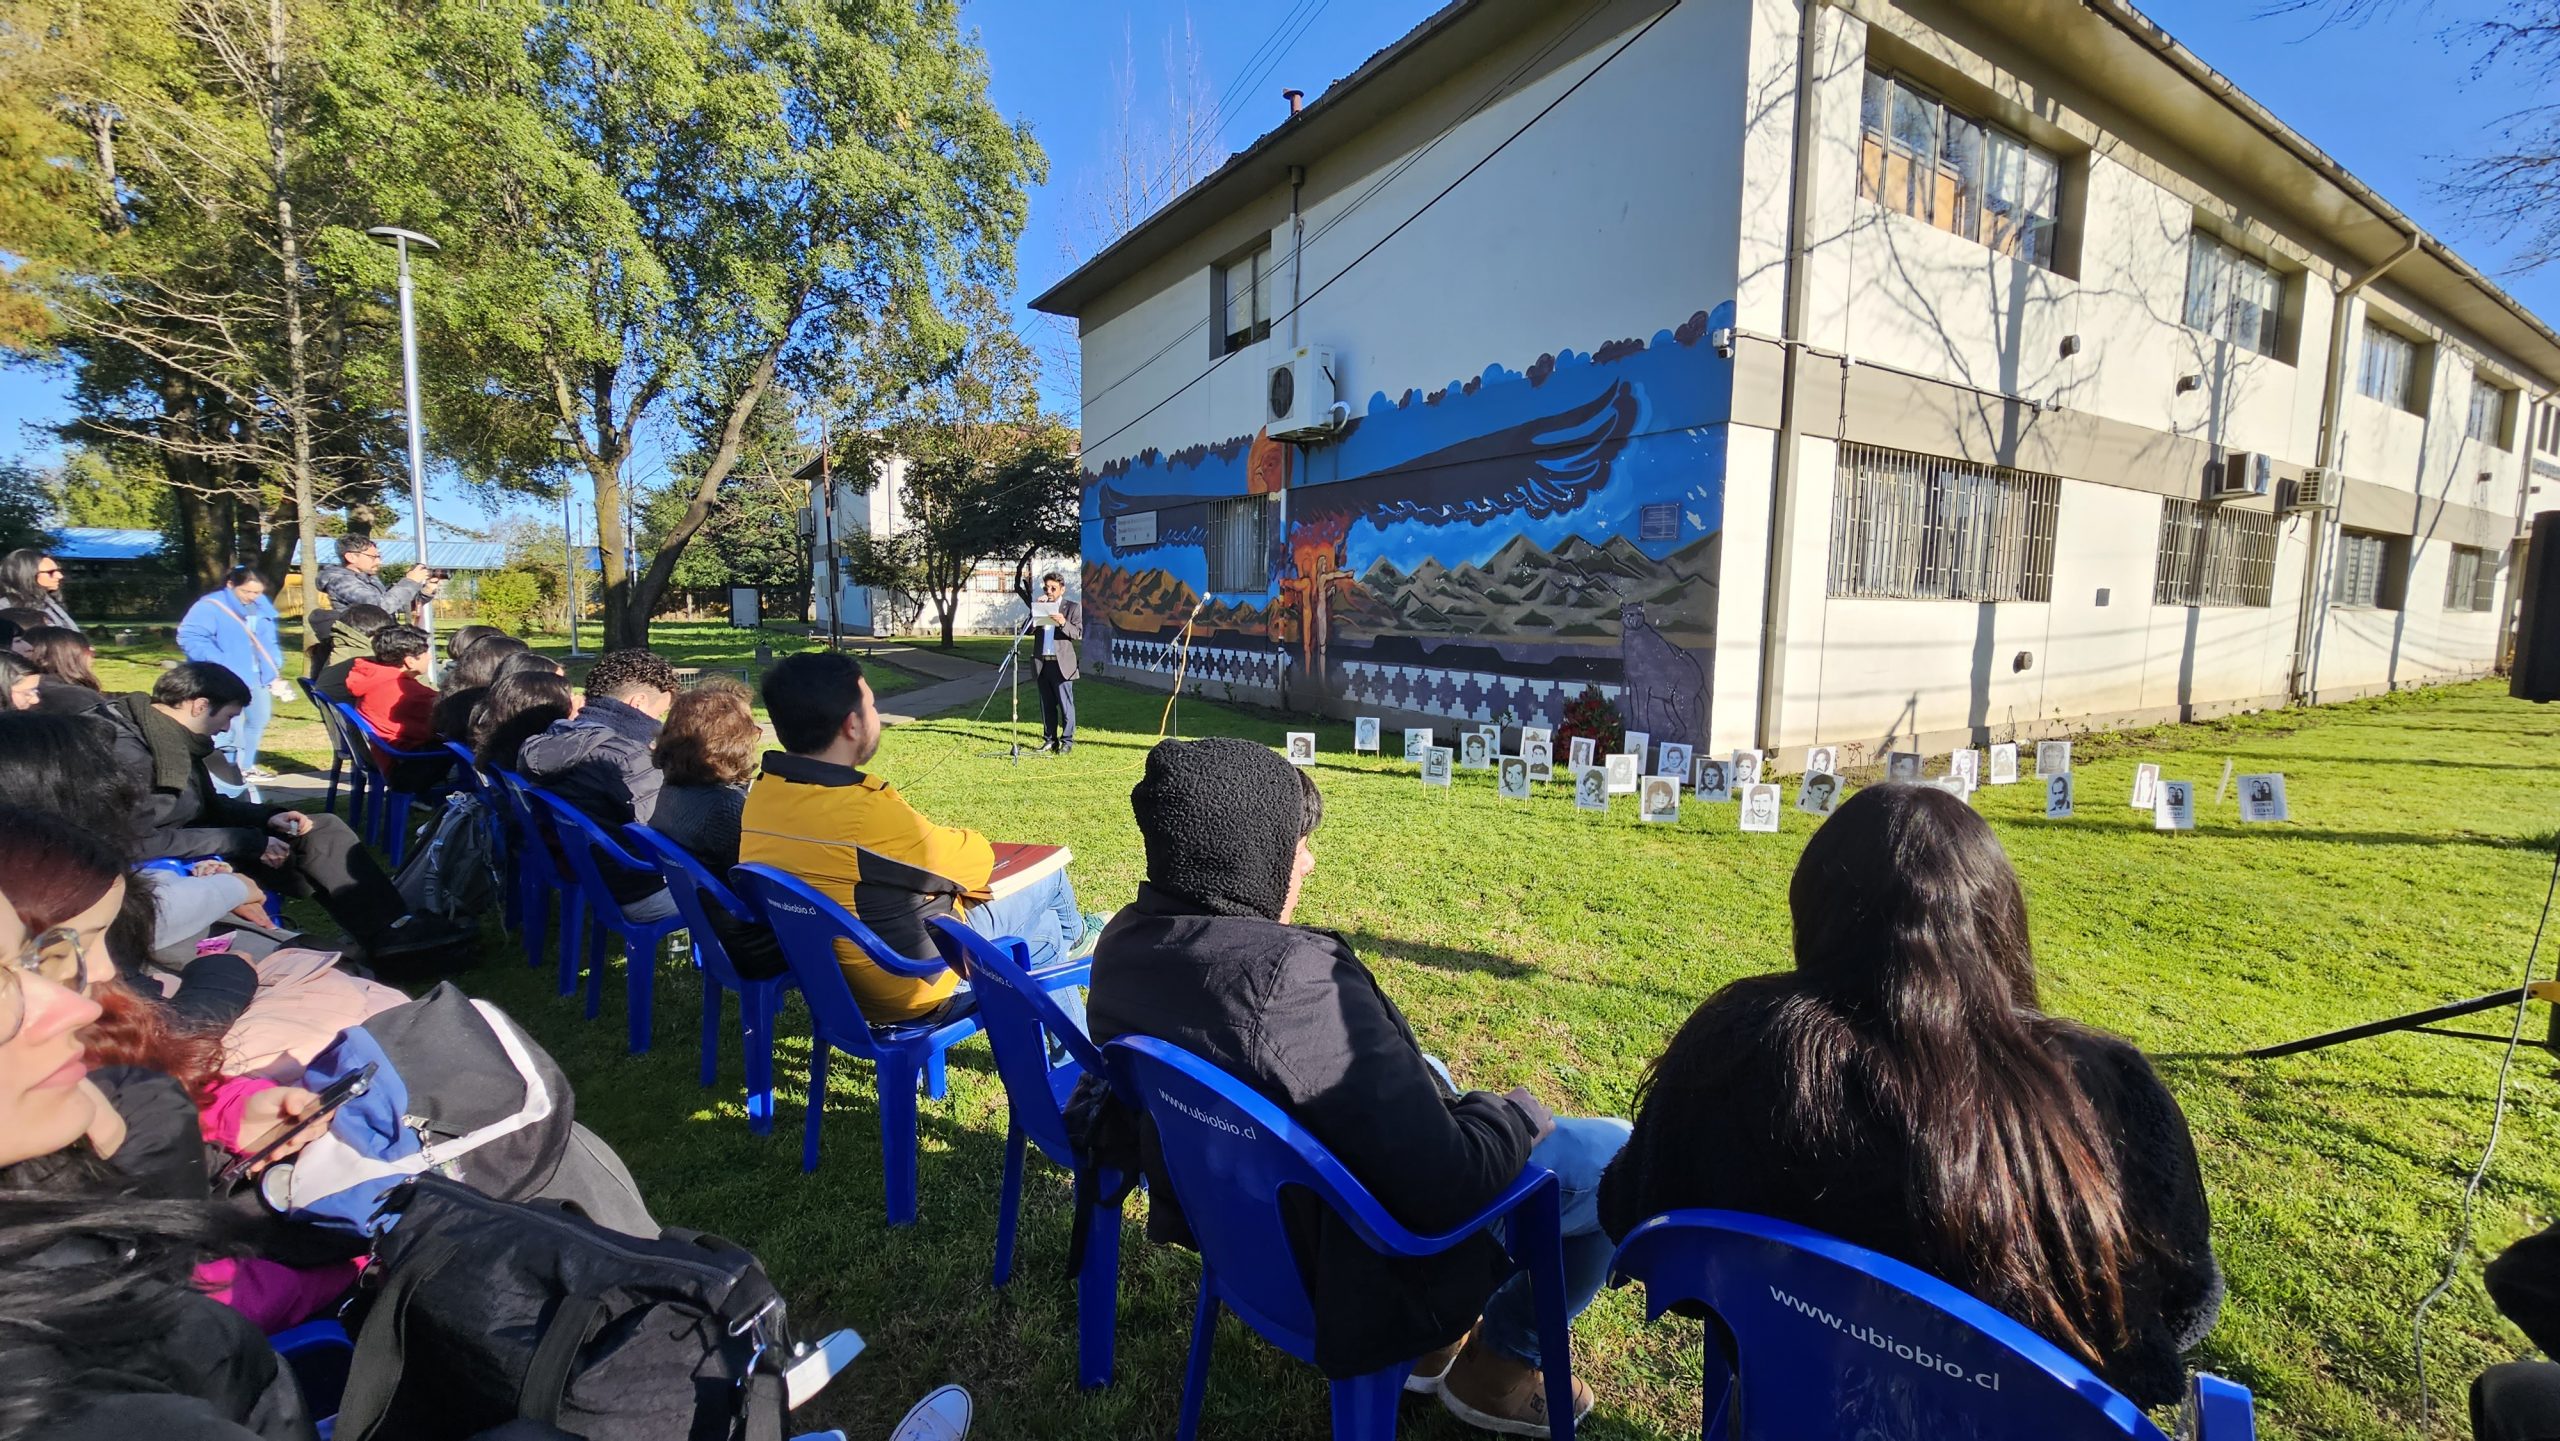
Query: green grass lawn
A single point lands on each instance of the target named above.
(1532, 944)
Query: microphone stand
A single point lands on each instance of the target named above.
(1172, 717)
(1009, 675)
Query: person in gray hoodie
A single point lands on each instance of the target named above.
(600, 760)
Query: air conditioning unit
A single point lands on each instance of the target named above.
(1298, 396)
(2244, 473)
(2317, 490)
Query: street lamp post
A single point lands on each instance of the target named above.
(400, 240)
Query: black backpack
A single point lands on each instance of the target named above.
(477, 1312)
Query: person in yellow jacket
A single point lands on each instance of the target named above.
(815, 814)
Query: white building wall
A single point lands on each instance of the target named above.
(1612, 219)
(987, 602)
(1891, 293)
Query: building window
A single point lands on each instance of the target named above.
(2369, 570)
(1243, 299)
(1240, 542)
(2390, 367)
(1917, 527)
(2547, 430)
(2470, 580)
(1946, 169)
(2488, 412)
(2232, 296)
(2212, 555)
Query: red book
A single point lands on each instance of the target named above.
(1018, 863)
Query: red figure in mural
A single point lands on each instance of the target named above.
(1315, 552)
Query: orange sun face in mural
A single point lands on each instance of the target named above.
(1266, 465)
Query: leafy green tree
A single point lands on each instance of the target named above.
(751, 535)
(170, 173)
(23, 507)
(987, 476)
(509, 600)
(90, 488)
(673, 211)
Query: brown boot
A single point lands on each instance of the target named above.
(1433, 1365)
(1495, 1392)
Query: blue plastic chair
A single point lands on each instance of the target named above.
(319, 1353)
(390, 807)
(1022, 1022)
(1230, 1155)
(336, 730)
(590, 850)
(1832, 1339)
(808, 923)
(539, 880)
(697, 892)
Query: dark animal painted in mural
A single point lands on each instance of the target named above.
(1666, 687)
(1557, 529)
(1541, 467)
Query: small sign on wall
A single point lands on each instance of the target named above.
(1134, 529)
(1659, 521)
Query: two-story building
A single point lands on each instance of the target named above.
(1928, 371)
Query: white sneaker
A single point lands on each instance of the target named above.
(942, 1416)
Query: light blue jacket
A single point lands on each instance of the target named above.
(217, 629)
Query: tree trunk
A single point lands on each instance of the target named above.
(724, 458)
(207, 553)
(624, 626)
(301, 503)
(287, 527)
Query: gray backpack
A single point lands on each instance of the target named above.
(455, 873)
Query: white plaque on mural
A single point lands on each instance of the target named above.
(1138, 527)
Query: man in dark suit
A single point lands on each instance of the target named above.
(1057, 651)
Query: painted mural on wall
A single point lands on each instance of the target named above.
(1482, 551)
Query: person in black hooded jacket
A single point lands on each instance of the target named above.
(1206, 958)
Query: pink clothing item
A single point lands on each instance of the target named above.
(272, 1294)
(219, 1118)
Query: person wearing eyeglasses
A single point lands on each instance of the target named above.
(32, 580)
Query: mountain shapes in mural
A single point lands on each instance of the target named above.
(1576, 591)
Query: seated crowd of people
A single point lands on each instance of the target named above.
(1898, 1086)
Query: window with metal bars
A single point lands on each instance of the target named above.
(2370, 570)
(1240, 542)
(2212, 556)
(2470, 580)
(1921, 527)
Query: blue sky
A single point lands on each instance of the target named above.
(2392, 102)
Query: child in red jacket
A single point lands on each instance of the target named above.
(394, 698)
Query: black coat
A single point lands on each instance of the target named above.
(1292, 1013)
(1708, 1137)
(182, 814)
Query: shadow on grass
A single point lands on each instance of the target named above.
(1369, 944)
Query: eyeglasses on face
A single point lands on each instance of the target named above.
(43, 570)
(54, 955)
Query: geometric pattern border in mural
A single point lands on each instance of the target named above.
(1262, 669)
(1464, 694)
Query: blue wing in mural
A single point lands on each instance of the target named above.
(1538, 468)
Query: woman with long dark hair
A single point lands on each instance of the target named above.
(65, 654)
(32, 580)
(520, 705)
(1901, 1090)
(102, 1333)
(466, 680)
